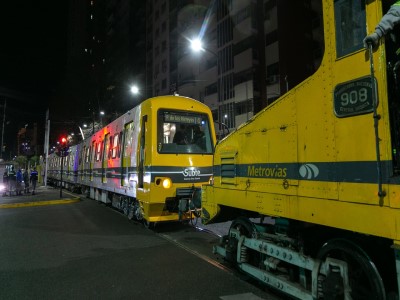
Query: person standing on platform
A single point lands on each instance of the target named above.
(33, 180)
(26, 181)
(12, 178)
(18, 188)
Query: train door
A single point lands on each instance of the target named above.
(87, 163)
(70, 170)
(82, 163)
(106, 149)
(126, 152)
(91, 162)
(142, 152)
(98, 159)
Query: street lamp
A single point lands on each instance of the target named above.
(140, 93)
(196, 45)
(102, 113)
(134, 89)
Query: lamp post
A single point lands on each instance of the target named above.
(2, 129)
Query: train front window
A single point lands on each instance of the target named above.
(350, 26)
(182, 132)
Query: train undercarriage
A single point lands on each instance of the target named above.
(310, 262)
(186, 206)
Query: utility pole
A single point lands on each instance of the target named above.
(46, 146)
(2, 129)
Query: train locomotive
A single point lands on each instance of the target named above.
(150, 162)
(312, 182)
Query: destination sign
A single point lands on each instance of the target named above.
(182, 118)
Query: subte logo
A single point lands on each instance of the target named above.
(309, 171)
(191, 172)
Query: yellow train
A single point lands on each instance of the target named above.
(150, 162)
(312, 182)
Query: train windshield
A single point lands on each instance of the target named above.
(181, 132)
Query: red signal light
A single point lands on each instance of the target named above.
(63, 140)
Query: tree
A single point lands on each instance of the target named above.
(21, 161)
(34, 160)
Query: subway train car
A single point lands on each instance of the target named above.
(312, 182)
(150, 162)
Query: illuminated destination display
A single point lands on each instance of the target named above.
(186, 119)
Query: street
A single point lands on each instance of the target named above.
(81, 249)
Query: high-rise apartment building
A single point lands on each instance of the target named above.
(83, 79)
(106, 55)
(124, 53)
(253, 51)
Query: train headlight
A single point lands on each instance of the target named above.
(166, 183)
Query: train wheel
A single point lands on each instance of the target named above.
(125, 206)
(244, 225)
(149, 225)
(246, 228)
(137, 210)
(364, 279)
(131, 213)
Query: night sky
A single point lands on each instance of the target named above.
(33, 43)
(32, 55)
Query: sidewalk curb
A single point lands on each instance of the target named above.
(40, 203)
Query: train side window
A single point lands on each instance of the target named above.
(98, 151)
(128, 139)
(87, 158)
(92, 151)
(115, 145)
(350, 24)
